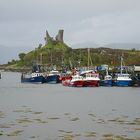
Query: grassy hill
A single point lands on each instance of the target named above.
(58, 53)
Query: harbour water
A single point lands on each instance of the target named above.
(55, 112)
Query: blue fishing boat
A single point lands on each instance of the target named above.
(122, 79)
(53, 77)
(34, 77)
(107, 79)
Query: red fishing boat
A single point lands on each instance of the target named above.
(75, 81)
(90, 78)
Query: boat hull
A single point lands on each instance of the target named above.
(39, 79)
(65, 78)
(77, 84)
(106, 83)
(91, 83)
(122, 83)
(66, 82)
(53, 79)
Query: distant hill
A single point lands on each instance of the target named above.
(57, 53)
(123, 46)
(85, 45)
(111, 45)
(8, 53)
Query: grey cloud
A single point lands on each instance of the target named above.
(112, 27)
(25, 22)
(61, 9)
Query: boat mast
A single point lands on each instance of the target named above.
(106, 71)
(121, 64)
(41, 57)
(88, 57)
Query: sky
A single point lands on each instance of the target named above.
(24, 22)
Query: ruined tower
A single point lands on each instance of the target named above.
(47, 38)
(59, 36)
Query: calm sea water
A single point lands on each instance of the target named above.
(55, 112)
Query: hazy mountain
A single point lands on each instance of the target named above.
(8, 53)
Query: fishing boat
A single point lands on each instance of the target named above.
(36, 76)
(107, 79)
(122, 79)
(53, 77)
(75, 81)
(90, 78)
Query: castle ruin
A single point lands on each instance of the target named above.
(59, 37)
